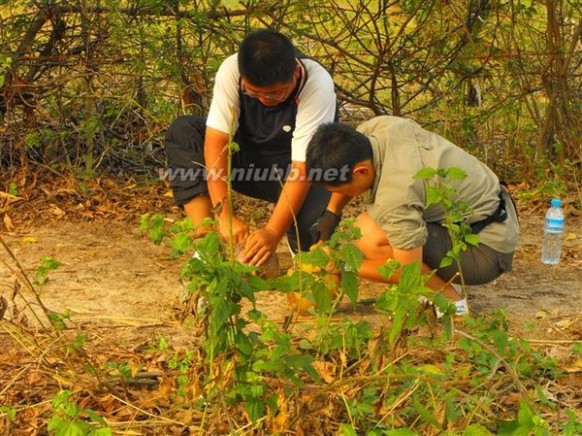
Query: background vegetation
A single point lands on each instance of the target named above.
(92, 85)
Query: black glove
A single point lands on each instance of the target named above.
(323, 228)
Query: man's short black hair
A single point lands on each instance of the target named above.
(335, 149)
(266, 58)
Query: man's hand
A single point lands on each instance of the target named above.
(324, 227)
(260, 245)
(240, 230)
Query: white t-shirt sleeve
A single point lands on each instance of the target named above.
(317, 104)
(225, 106)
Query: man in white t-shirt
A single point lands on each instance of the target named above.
(271, 100)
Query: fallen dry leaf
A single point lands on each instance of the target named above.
(324, 369)
(572, 381)
(281, 420)
(56, 211)
(575, 367)
(570, 236)
(8, 223)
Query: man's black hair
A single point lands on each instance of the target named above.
(266, 58)
(333, 151)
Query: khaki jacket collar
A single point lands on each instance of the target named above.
(378, 161)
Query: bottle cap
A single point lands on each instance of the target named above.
(556, 202)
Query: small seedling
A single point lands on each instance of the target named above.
(70, 420)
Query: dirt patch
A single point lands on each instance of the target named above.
(112, 272)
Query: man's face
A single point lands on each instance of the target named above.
(271, 95)
(351, 189)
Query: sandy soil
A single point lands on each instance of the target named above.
(111, 273)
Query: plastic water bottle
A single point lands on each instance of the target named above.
(553, 230)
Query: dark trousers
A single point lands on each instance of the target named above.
(480, 264)
(254, 174)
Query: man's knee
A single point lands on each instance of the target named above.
(374, 248)
(185, 132)
(185, 123)
(373, 239)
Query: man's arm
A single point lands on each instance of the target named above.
(290, 200)
(262, 243)
(337, 202)
(215, 157)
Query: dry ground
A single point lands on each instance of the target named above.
(111, 272)
(122, 292)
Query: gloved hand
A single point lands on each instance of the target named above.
(324, 227)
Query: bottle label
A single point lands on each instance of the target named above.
(555, 224)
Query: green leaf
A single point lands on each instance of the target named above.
(346, 430)
(353, 257)
(399, 432)
(425, 174)
(257, 390)
(243, 344)
(181, 243)
(476, 430)
(58, 319)
(456, 173)
(257, 284)
(233, 147)
(472, 239)
(9, 411)
(388, 301)
(321, 297)
(255, 409)
(448, 327)
(304, 362)
(389, 268)
(54, 423)
(209, 247)
(349, 284)
(49, 264)
(410, 278)
(433, 196)
(573, 426)
(156, 235)
(525, 415)
(446, 261)
(12, 187)
(65, 428)
(317, 257)
(220, 313)
(426, 414)
(286, 283)
(95, 417)
(397, 323)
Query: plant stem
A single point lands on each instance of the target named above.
(29, 285)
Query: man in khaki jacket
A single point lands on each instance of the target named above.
(379, 160)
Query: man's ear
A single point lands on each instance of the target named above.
(362, 169)
(297, 72)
